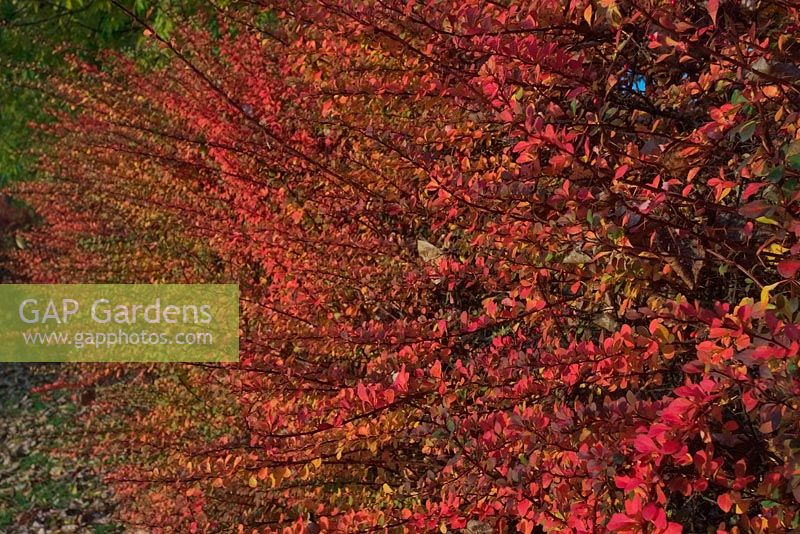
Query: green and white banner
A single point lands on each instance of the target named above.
(119, 323)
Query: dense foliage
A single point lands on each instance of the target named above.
(505, 266)
(36, 35)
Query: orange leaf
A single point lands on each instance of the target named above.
(436, 369)
(725, 503)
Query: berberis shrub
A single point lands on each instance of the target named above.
(505, 266)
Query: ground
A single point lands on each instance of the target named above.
(43, 489)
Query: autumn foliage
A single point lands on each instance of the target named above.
(505, 266)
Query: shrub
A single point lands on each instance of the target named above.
(510, 267)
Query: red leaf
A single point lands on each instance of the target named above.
(523, 506)
(650, 511)
(749, 400)
(619, 522)
(645, 444)
(788, 268)
(656, 515)
(724, 501)
(627, 483)
(490, 306)
(752, 189)
(436, 369)
(671, 447)
(362, 393)
(713, 7)
(767, 352)
(401, 380)
(754, 209)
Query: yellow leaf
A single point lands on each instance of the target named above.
(387, 489)
(587, 14)
(252, 482)
(777, 249)
(766, 220)
(765, 293)
(317, 462)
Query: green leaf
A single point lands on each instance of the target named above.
(793, 155)
(738, 98)
(746, 130)
(775, 175)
